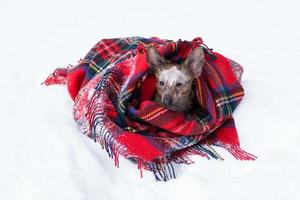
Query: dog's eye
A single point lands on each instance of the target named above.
(178, 84)
(161, 83)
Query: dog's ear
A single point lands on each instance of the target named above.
(153, 57)
(195, 61)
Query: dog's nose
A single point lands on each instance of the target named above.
(167, 101)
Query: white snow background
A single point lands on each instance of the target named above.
(44, 156)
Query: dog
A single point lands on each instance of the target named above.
(174, 82)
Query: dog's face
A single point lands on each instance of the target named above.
(174, 81)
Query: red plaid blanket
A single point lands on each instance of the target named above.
(113, 104)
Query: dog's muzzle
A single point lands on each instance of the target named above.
(167, 100)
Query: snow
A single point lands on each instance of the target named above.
(44, 156)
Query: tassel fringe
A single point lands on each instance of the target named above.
(237, 152)
(163, 170)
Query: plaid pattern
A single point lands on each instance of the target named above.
(113, 104)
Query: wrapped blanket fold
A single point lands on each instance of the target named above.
(113, 94)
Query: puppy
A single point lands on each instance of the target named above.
(174, 85)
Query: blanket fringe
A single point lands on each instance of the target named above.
(162, 171)
(204, 150)
(183, 160)
(140, 167)
(237, 152)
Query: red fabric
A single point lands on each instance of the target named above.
(75, 79)
(147, 90)
(136, 143)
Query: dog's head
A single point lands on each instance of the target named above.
(174, 81)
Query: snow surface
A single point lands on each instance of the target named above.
(44, 156)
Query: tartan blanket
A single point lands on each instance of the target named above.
(113, 104)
